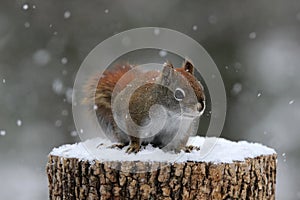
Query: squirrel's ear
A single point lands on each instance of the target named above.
(168, 64)
(168, 68)
(188, 66)
(167, 72)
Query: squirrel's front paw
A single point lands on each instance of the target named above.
(133, 148)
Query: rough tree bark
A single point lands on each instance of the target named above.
(70, 178)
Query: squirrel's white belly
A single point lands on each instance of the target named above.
(174, 129)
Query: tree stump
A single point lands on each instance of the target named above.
(73, 177)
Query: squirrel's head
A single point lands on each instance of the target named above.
(186, 88)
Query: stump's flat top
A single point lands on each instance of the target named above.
(223, 151)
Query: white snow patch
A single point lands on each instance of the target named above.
(224, 151)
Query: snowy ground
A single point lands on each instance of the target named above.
(224, 151)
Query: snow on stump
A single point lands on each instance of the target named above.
(232, 170)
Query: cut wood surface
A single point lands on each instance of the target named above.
(74, 178)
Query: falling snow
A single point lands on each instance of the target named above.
(69, 94)
(259, 94)
(2, 132)
(25, 6)
(106, 11)
(41, 57)
(64, 113)
(284, 157)
(252, 35)
(19, 122)
(64, 60)
(26, 24)
(237, 65)
(67, 14)
(3, 80)
(64, 72)
(156, 31)
(291, 101)
(57, 86)
(162, 53)
(95, 107)
(195, 27)
(73, 133)
(58, 123)
(126, 41)
(212, 19)
(237, 88)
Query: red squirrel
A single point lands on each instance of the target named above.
(169, 89)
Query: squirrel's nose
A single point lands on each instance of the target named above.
(200, 106)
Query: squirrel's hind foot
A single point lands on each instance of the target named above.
(118, 146)
(133, 148)
(190, 148)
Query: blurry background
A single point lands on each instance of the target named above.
(255, 44)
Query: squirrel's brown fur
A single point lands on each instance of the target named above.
(152, 93)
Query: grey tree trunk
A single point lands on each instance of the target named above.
(70, 178)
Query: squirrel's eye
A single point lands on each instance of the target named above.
(179, 94)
